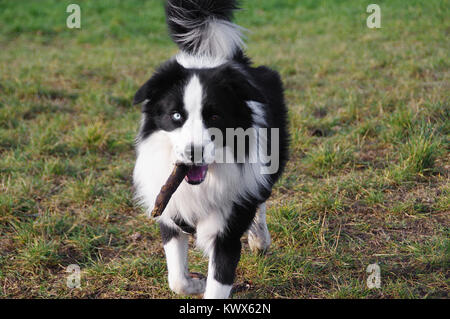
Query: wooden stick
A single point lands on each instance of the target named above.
(173, 182)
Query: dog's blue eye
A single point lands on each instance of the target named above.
(177, 116)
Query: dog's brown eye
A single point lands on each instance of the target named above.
(215, 117)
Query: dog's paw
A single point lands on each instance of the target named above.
(193, 285)
(259, 241)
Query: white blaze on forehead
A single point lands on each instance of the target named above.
(193, 95)
(193, 129)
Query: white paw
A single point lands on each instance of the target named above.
(258, 234)
(259, 241)
(188, 286)
(216, 290)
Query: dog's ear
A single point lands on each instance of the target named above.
(240, 83)
(168, 75)
(144, 93)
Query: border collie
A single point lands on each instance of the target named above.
(210, 85)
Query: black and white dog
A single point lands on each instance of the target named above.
(209, 89)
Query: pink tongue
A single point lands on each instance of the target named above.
(197, 173)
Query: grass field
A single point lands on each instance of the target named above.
(368, 179)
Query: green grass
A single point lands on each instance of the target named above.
(368, 180)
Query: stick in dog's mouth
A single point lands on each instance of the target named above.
(194, 175)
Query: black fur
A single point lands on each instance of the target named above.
(270, 84)
(167, 233)
(227, 249)
(163, 93)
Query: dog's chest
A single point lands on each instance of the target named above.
(215, 196)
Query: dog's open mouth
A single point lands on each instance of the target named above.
(197, 174)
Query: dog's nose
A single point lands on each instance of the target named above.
(194, 153)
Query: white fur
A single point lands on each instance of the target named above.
(155, 159)
(214, 289)
(258, 114)
(210, 37)
(179, 280)
(190, 61)
(193, 131)
(207, 230)
(209, 203)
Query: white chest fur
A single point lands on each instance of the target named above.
(206, 206)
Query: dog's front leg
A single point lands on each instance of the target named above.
(223, 262)
(176, 249)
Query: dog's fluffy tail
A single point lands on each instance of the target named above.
(204, 27)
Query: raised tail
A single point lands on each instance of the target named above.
(204, 27)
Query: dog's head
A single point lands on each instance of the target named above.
(192, 105)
